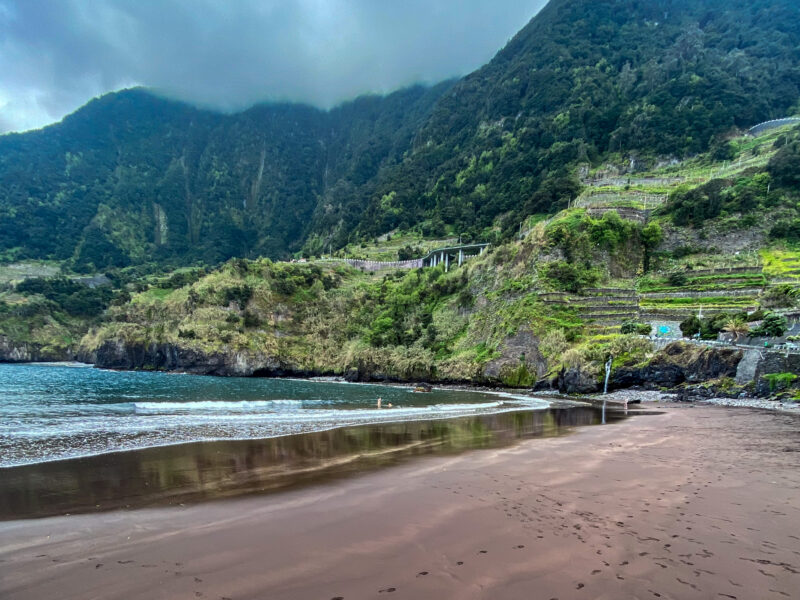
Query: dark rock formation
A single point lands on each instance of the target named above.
(680, 363)
(577, 381)
(519, 365)
(168, 357)
(773, 363)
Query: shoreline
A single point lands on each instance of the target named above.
(698, 502)
(196, 471)
(594, 399)
(503, 401)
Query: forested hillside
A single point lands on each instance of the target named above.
(133, 178)
(585, 80)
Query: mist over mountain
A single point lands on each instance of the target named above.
(132, 177)
(229, 56)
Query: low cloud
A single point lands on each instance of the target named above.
(230, 54)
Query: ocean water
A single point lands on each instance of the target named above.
(50, 412)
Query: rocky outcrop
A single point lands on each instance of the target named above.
(773, 363)
(677, 364)
(115, 354)
(17, 352)
(577, 381)
(519, 365)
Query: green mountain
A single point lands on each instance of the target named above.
(132, 178)
(587, 80)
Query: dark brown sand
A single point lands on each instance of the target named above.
(695, 503)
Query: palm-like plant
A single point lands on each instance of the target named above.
(737, 328)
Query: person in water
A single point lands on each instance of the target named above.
(379, 402)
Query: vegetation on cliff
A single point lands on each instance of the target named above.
(132, 178)
(601, 152)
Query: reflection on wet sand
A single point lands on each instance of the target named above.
(208, 470)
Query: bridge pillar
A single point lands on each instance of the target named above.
(446, 262)
(460, 257)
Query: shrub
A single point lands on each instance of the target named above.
(785, 165)
(570, 277)
(240, 294)
(466, 299)
(181, 279)
(780, 296)
(780, 381)
(251, 320)
(627, 349)
(72, 297)
(677, 279)
(773, 325)
(690, 327)
(554, 343)
(573, 359)
(629, 327)
(712, 326)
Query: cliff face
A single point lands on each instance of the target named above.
(680, 363)
(116, 354)
(510, 369)
(17, 352)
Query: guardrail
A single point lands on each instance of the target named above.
(773, 124)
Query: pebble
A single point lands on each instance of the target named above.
(792, 407)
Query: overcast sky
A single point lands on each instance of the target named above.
(229, 54)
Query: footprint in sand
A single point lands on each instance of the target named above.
(338, 598)
(483, 552)
(388, 590)
(422, 573)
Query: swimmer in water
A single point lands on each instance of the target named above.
(379, 402)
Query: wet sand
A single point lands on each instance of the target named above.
(694, 503)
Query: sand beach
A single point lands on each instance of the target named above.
(695, 502)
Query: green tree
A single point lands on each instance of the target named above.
(651, 236)
(773, 325)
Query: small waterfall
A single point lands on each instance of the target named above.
(605, 386)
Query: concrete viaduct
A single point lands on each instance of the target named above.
(453, 255)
